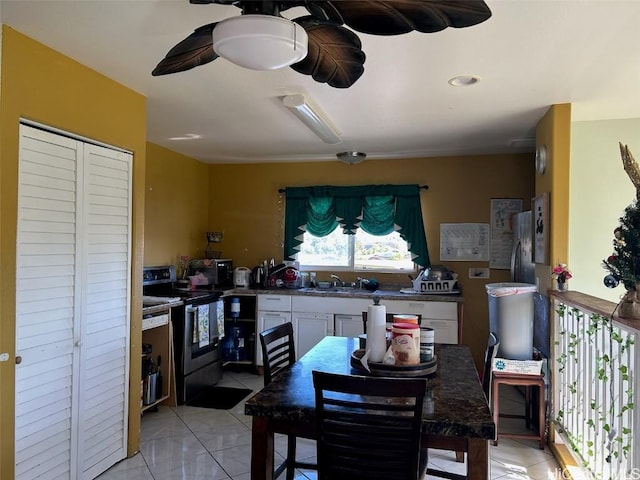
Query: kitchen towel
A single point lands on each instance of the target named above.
(377, 332)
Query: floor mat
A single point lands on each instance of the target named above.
(222, 398)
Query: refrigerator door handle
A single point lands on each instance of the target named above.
(515, 261)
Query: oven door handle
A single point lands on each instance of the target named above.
(191, 312)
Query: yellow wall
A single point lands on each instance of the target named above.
(41, 85)
(246, 206)
(554, 131)
(177, 206)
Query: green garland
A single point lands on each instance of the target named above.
(608, 363)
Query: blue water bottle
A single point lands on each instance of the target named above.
(235, 330)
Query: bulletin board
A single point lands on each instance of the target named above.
(464, 242)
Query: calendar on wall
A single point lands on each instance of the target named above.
(464, 242)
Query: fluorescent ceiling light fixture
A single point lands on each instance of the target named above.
(312, 118)
(528, 143)
(187, 136)
(260, 42)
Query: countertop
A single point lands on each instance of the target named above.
(455, 406)
(159, 308)
(392, 293)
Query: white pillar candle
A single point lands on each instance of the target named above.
(377, 332)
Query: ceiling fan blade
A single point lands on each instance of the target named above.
(193, 51)
(394, 17)
(264, 7)
(324, 11)
(207, 2)
(334, 55)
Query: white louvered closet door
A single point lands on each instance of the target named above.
(72, 308)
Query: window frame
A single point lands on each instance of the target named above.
(351, 268)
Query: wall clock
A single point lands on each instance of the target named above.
(541, 159)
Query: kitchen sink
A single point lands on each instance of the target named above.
(330, 290)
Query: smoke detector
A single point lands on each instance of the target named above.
(351, 158)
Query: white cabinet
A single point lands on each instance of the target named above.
(309, 329)
(348, 325)
(157, 331)
(72, 306)
(272, 310)
(444, 331)
(315, 317)
(267, 320)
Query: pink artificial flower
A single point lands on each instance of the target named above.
(561, 272)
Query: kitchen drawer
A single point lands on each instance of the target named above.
(428, 309)
(153, 321)
(274, 303)
(330, 304)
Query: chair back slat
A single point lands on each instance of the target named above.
(368, 427)
(489, 356)
(278, 350)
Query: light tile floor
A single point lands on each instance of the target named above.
(190, 443)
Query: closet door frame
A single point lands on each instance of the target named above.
(81, 287)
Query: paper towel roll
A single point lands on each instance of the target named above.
(377, 332)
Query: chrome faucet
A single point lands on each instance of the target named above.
(339, 282)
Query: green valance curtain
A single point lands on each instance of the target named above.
(377, 209)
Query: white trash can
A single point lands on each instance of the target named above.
(511, 317)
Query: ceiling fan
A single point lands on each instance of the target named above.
(317, 44)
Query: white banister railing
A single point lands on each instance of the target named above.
(595, 381)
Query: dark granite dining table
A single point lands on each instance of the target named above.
(456, 413)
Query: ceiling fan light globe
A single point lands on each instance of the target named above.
(351, 158)
(260, 42)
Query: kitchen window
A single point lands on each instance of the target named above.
(359, 252)
(372, 227)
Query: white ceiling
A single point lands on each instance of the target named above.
(530, 54)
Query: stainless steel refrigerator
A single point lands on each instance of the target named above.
(522, 268)
(523, 271)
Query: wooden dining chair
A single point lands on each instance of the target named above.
(369, 427)
(389, 319)
(489, 356)
(279, 353)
